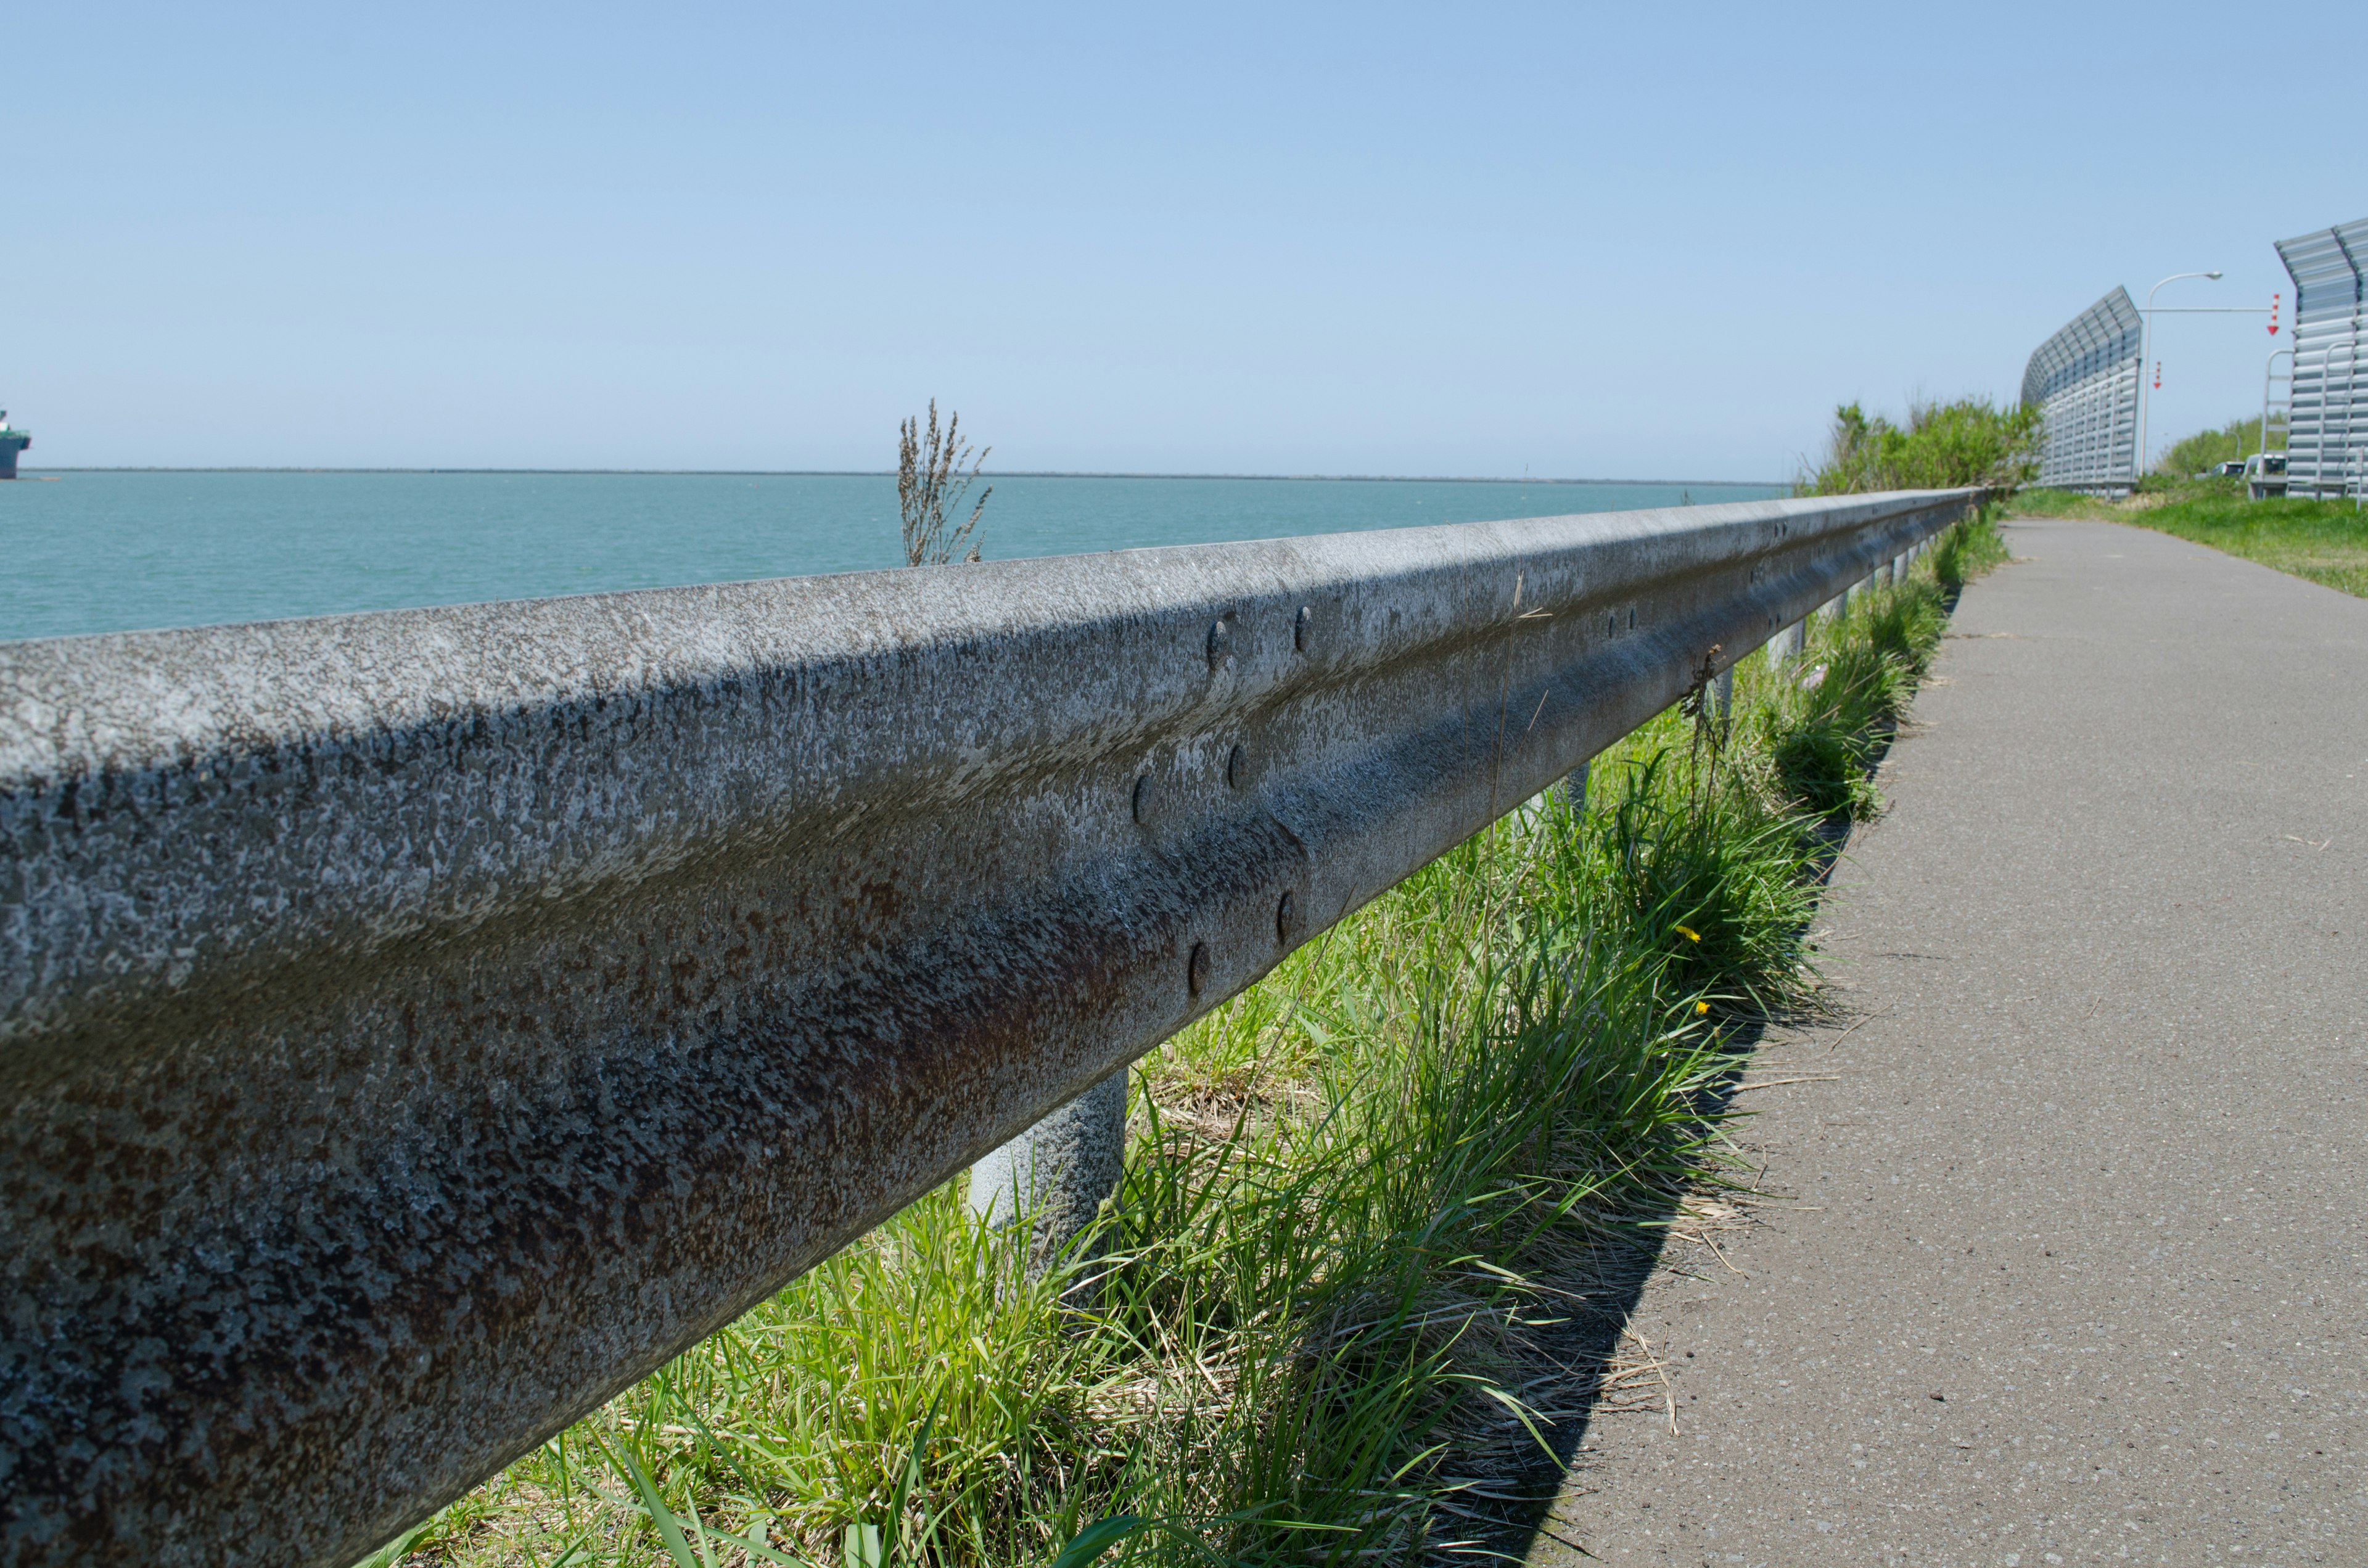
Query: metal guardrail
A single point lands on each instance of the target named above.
(415, 1026)
(2084, 381)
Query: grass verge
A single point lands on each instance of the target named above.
(1359, 1198)
(2326, 541)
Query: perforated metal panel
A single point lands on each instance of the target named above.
(2084, 381)
(2326, 445)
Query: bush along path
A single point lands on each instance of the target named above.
(1330, 1315)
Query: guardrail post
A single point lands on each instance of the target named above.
(1572, 787)
(1787, 644)
(1060, 1170)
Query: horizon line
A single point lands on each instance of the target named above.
(890, 474)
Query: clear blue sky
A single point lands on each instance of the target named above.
(1583, 241)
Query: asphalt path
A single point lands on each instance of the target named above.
(2064, 1257)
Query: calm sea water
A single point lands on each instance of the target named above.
(94, 551)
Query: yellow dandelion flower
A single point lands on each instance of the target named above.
(1700, 1008)
(1690, 934)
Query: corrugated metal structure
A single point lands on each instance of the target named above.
(2085, 382)
(415, 1026)
(2326, 445)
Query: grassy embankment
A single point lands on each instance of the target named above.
(2326, 541)
(1358, 1197)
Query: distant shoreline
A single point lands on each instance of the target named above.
(988, 474)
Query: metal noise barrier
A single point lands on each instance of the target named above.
(2084, 381)
(416, 1027)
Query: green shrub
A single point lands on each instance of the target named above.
(1945, 446)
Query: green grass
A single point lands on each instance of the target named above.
(2326, 541)
(1356, 1198)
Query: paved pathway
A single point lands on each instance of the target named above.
(2074, 1270)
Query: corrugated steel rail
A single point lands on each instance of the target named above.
(415, 1026)
(2084, 381)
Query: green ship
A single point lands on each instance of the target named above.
(11, 443)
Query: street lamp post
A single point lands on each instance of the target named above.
(2145, 347)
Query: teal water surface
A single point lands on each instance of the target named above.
(84, 551)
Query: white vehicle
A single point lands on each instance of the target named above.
(2265, 475)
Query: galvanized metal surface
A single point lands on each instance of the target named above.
(2084, 381)
(416, 1027)
(2327, 435)
(1058, 1172)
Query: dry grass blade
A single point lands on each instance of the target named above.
(1780, 1082)
(1659, 1368)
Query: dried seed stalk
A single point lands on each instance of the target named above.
(931, 480)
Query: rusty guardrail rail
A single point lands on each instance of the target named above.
(416, 1026)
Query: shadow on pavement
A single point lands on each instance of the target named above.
(1596, 1361)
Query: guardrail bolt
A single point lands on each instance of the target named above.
(1237, 767)
(1302, 625)
(1286, 920)
(1196, 968)
(1221, 642)
(1144, 793)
